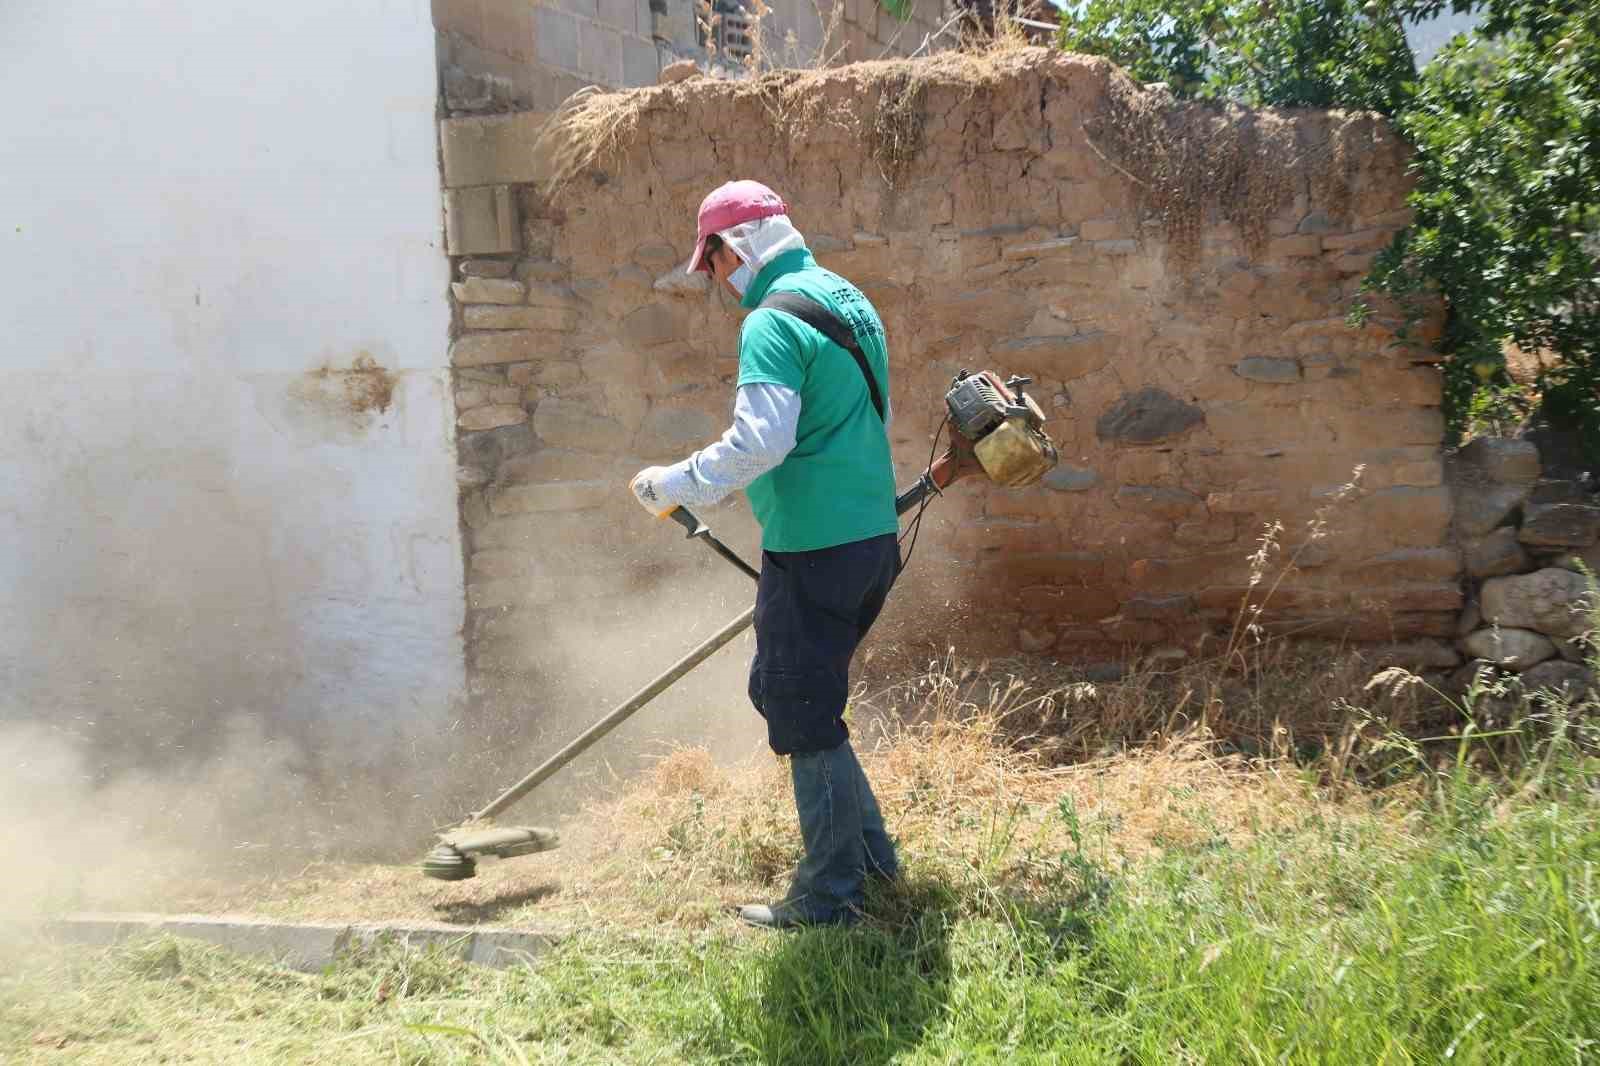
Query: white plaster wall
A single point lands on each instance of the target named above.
(203, 204)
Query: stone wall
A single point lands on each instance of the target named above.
(1530, 545)
(1196, 396)
(497, 55)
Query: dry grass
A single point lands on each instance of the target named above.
(594, 129)
(694, 839)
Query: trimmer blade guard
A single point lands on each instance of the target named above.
(453, 859)
(445, 863)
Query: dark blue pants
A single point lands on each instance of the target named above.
(812, 609)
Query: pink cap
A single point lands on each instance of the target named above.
(727, 206)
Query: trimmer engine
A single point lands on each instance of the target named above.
(1004, 425)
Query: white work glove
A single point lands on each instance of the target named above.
(647, 489)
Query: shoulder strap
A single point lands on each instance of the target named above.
(830, 326)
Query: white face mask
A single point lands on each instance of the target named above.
(740, 279)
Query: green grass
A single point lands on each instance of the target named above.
(1467, 931)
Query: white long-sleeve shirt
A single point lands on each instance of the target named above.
(765, 417)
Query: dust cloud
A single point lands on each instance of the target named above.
(114, 799)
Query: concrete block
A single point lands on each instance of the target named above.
(490, 149)
(623, 16)
(600, 53)
(641, 63)
(556, 36)
(305, 946)
(427, 936)
(94, 929)
(508, 28)
(481, 220)
(300, 946)
(508, 947)
(459, 16)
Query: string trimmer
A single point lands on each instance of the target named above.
(995, 430)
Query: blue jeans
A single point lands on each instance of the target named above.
(844, 836)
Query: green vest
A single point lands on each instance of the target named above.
(837, 485)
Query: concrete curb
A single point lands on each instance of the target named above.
(306, 946)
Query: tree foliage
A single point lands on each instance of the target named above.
(1506, 124)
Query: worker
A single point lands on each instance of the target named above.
(809, 445)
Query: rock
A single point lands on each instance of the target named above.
(1496, 554)
(512, 346)
(1147, 416)
(1550, 601)
(1269, 369)
(1471, 618)
(682, 70)
(1558, 490)
(1159, 608)
(1478, 510)
(1560, 525)
(1510, 462)
(1067, 478)
(1512, 649)
(492, 417)
(535, 319)
(651, 325)
(487, 268)
(489, 291)
(569, 424)
(1567, 680)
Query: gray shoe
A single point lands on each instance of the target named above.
(782, 916)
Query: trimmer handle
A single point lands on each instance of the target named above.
(692, 525)
(699, 530)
